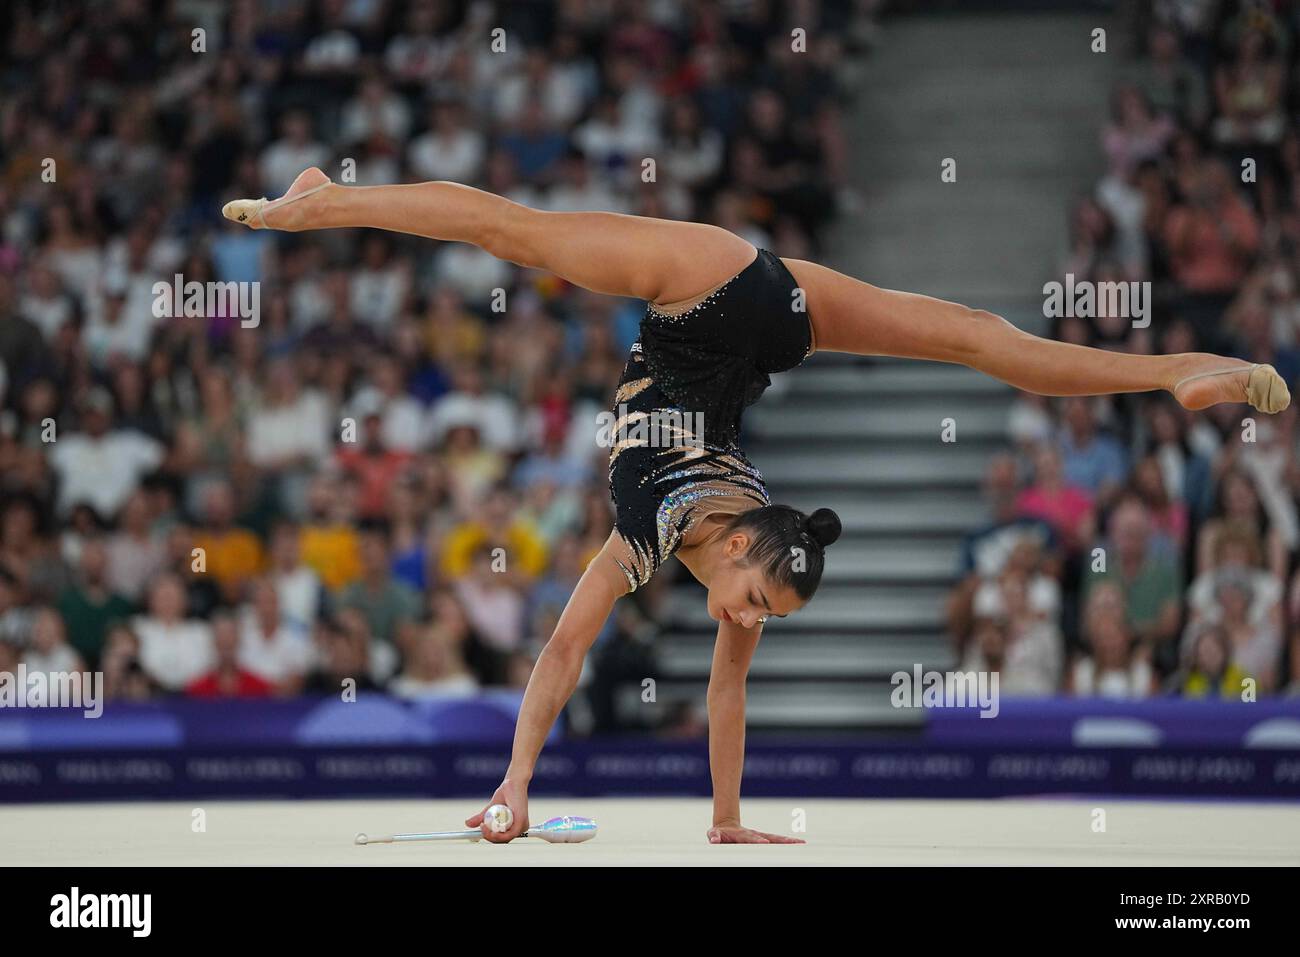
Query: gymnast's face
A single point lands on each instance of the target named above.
(742, 594)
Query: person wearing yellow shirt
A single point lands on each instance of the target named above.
(231, 554)
(1211, 673)
(495, 527)
(329, 544)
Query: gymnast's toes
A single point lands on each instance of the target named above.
(246, 211)
(1266, 390)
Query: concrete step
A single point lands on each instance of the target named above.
(846, 608)
(813, 656)
(807, 422)
(894, 512)
(794, 705)
(885, 378)
(942, 466)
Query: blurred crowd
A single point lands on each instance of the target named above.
(1138, 549)
(393, 476)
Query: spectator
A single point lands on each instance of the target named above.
(135, 553)
(1067, 508)
(1210, 672)
(382, 600)
(1147, 581)
(1092, 461)
(299, 589)
(522, 553)
(174, 650)
(49, 652)
(228, 679)
(494, 606)
(374, 466)
(1239, 510)
(124, 677)
(433, 667)
(1116, 667)
(328, 539)
(1254, 637)
(99, 465)
(272, 647)
(449, 150)
(342, 662)
(233, 555)
(89, 605)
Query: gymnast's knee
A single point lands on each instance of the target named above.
(982, 332)
(509, 235)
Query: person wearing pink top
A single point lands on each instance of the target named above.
(1067, 508)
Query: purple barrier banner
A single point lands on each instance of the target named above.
(372, 719)
(646, 767)
(1091, 722)
(379, 746)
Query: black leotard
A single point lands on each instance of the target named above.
(692, 375)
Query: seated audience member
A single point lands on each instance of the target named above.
(233, 555)
(1254, 638)
(272, 646)
(1239, 509)
(300, 591)
(1149, 582)
(1067, 508)
(494, 606)
(174, 649)
(1116, 666)
(1091, 460)
(49, 651)
(495, 526)
(1210, 672)
(228, 679)
(377, 594)
(342, 661)
(124, 677)
(88, 605)
(136, 553)
(328, 538)
(433, 667)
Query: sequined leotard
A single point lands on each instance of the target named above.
(678, 406)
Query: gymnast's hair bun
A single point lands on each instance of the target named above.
(824, 526)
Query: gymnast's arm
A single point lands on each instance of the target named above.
(732, 653)
(554, 677)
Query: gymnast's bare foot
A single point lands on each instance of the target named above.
(285, 213)
(1232, 380)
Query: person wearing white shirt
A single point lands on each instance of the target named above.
(403, 416)
(287, 157)
(289, 427)
(99, 467)
(50, 652)
(376, 109)
(449, 150)
(173, 650)
(297, 585)
(494, 416)
(271, 646)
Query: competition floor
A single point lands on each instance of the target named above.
(650, 832)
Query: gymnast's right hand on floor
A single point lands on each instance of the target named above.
(513, 796)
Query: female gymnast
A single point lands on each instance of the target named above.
(721, 317)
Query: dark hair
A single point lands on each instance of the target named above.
(781, 536)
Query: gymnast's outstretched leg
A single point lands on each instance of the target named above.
(666, 261)
(856, 317)
(659, 260)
